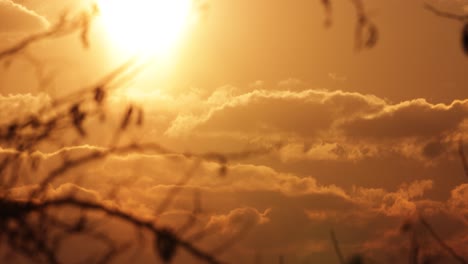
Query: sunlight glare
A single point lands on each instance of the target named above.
(148, 27)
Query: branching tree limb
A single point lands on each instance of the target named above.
(64, 26)
(31, 227)
(442, 243)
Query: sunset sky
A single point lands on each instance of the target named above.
(354, 141)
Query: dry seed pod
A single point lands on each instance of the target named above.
(327, 5)
(165, 245)
(140, 117)
(78, 118)
(126, 118)
(99, 94)
(372, 36)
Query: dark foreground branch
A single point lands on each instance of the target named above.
(445, 14)
(19, 209)
(442, 243)
(64, 26)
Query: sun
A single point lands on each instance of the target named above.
(145, 27)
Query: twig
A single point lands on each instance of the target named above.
(441, 242)
(449, 15)
(29, 207)
(336, 247)
(169, 198)
(463, 158)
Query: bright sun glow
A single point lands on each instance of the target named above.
(149, 27)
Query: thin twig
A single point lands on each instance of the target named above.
(441, 242)
(29, 207)
(336, 247)
(463, 158)
(445, 14)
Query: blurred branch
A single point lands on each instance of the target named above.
(18, 208)
(223, 246)
(441, 242)
(461, 18)
(169, 198)
(142, 148)
(40, 240)
(449, 15)
(192, 219)
(63, 27)
(366, 32)
(336, 247)
(463, 157)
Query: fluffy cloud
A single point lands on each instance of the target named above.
(237, 220)
(325, 125)
(416, 118)
(458, 201)
(306, 113)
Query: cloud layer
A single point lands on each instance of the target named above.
(266, 204)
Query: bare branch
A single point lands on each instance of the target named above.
(463, 157)
(336, 247)
(63, 27)
(441, 242)
(23, 208)
(440, 13)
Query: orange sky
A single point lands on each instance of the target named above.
(358, 141)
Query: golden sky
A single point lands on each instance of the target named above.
(357, 141)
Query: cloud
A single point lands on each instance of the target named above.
(52, 9)
(327, 151)
(458, 202)
(15, 18)
(291, 209)
(327, 125)
(257, 84)
(21, 105)
(305, 113)
(61, 191)
(237, 220)
(265, 202)
(290, 83)
(336, 77)
(416, 118)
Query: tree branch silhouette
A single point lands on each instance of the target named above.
(30, 227)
